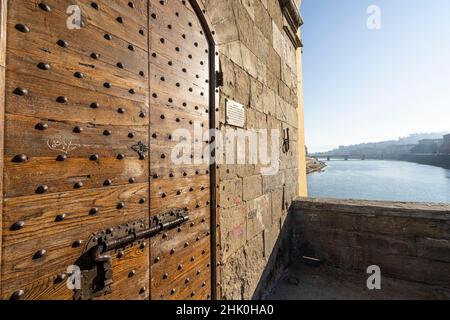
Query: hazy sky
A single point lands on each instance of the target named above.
(364, 85)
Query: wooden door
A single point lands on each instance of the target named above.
(90, 107)
(179, 98)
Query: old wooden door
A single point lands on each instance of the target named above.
(179, 98)
(94, 92)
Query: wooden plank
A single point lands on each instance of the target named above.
(23, 136)
(103, 20)
(3, 27)
(186, 22)
(125, 286)
(179, 99)
(138, 13)
(179, 288)
(174, 65)
(42, 229)
(63, 71)
(41, 103)
(83, 42)
(3, 17)
(25, 178)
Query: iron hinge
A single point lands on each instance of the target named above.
(219, 79)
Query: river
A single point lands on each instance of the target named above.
(381, 180)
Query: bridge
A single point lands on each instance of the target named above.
(330, 157)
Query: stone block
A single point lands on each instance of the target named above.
(279, 42)
(272, 81)
(219, 10)
(274, 9)
(260, 45)
(232, 51)
(230, 193)
(256, 95)
(264, 3)
(258, 216)
(242, 271)
(256, 119)
(271, 183)
(226, 30)
(278, 206)
(261, 71)
(229, 79)
(233, 273)
(271, 237)
(255, 264)
(228, 172)
(290, 159)
(249, 61)
(288, 77)
(249, 5)
(286, 112)
(233, 231)
(273, 123)
(434, 249)
(252, 187)
(263, 20)
(284, 92)
(244, 24)
(274, 62)
(291, 56)
(269, 101)
(242, 93)
(247, 170)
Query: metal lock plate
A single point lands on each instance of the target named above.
(96, 264)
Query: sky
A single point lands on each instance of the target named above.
(369, 85)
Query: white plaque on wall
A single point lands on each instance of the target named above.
(235, 114)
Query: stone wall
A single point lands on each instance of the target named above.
(408, 241)
(438, 160)
(259, 71)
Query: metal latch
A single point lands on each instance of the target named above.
(286, 141)
(96, 265)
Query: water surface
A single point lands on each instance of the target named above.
(381, 180)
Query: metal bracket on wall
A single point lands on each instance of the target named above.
(286, 141)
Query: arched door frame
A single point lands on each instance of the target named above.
(214, 84)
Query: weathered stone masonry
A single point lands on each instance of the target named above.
(259, 66)
(408, 241)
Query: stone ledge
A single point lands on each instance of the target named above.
(432, 211)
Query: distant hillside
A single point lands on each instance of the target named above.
(385, 147)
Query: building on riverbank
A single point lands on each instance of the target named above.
(427, 146)
(445, 147)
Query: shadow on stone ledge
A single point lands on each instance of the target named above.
(410, 242)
